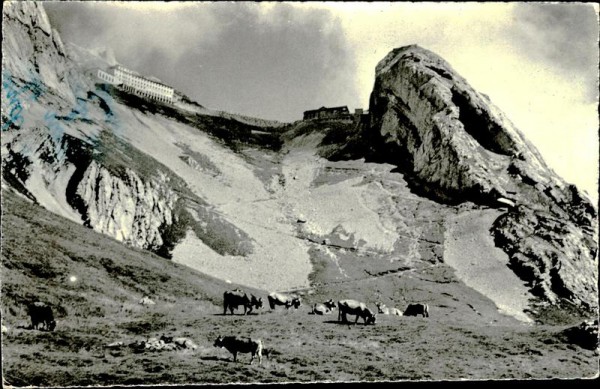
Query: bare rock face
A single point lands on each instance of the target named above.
(126, 208)
(444, 133)
(60, 147)
(33, 51)
(453, 145)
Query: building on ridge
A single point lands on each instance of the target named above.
(134, 83)
(341, 112)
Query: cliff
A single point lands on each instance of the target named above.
(33, 51)
(453, 145)
(62, 146)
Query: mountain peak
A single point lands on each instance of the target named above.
(453, 145)
(414, 52)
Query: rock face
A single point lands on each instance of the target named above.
(443, 132)
(127, 208)
(52, 117)
(33, 51)
(133, 210)
(585, 335)
(61, 147)
(454, 145)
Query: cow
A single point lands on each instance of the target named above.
(41, 316)
(357, 308)
(320, 309)
(282, 299)
(381, 308)
(239, 344)
(396, 312)
(323, 309)
(417, 309)
(329, 304)
(234, 298)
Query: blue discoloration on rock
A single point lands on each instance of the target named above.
(17, 97)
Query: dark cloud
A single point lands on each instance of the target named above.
(562, 36)
(236, 57)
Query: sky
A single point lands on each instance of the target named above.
(538, 62)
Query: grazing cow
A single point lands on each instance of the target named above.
(234, 298)
(282, 299)
(239, 344)
(381, 308)
(41, 316)
(417, 309)
(357, 308)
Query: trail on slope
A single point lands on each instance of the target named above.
(469, 248)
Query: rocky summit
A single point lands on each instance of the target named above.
(454, 145)
(111, 198)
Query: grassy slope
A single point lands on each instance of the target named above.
(101, 307)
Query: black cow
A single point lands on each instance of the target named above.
(234, 298)
(357, 308)
(282, 299)
(417, 309)
(239, 344)
(41, 316)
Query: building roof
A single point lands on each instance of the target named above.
(327, 109)
(136, 74)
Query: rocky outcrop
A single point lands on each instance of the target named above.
(64, 178)
(453, 145)
(449, 139)
(557, 257)
(585, 335)
(53, 150)
(126, 208)
(32, 50)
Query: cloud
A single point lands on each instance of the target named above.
(277, 62)
(563, 36)
(135, 31)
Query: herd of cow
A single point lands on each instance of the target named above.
(42, 317)
(236, 298)
(233, 299)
